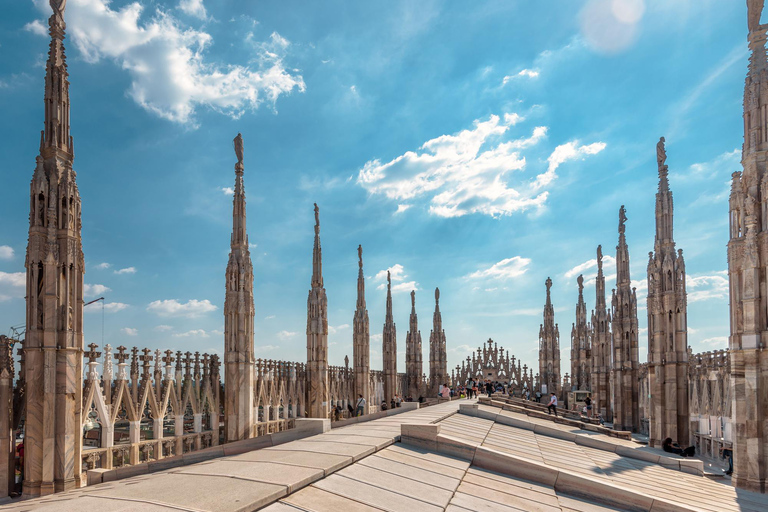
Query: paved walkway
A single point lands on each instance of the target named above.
(700, 493)
(241, 482)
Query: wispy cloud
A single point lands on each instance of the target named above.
(286, 335)
(398, 276)
(525, 73)
(194, 333)
(93, 290)
(162, 328)
(194, 8)
(170, 73)
(172, 307)
(36, 27)
(6, 252)
(130, 331)
(706, 287)
(109, 307)
(127, 270)
(505, 269)
(228, 191)
(12, 285)
(103, 266)
(470, 171)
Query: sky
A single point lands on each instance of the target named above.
(478, 147)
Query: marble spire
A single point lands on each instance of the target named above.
(361, 339)
(317, 402)
(549, 347)
(438, 363)
(239, 315)
(747, 270)
(601, 346)
(667, 323)
(626, 407)
(580, 348)
(413, 356)
(389, 348)
(53, 350)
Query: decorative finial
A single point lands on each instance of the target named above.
(317, 220)
(238, 141)
(389, 279)
(360, 255)
(622, 218)
(600, 256)
(437, 295)
(548, 284)
(413, 298)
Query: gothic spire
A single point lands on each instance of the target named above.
(664, 205)
(56, 135)
(239, 235)
(622, 252)
(600, 282)
(317, 260)
(389, 318)
(360, 280)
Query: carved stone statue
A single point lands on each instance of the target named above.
(754, 11)
(437, 294)
(58, 7)
(360, 255)
(238, 141)
(661, 153)
(580, 281)
(599, 254)
(413, 298)
(622, 219)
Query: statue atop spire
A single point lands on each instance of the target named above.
(413, 300)
(438, 356)
(754, 12)
(317, 390)
(622, 219)
(437, 295)
(580, 282)
(360, 256)
(661, 153)
(238, 142)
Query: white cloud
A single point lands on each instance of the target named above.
(270, 317)
(398, 276)
(109, 307)
(337, 329)
(468, 172)
(609, 263)
(706, 287)
(505, 269)
(173, 307)
(197, 333)
(166, 60)
(130, 331)
(193, 8)
(525, 73)
(376, 338)
(228, 191)
(93, 290)
(564, 153)
(6, 252)
(722, 165)
(284, 335)
(402, 207)
(162, 328)
(103, 266)
(36, 27)
(511, 119)
(716, 341)
(127, 270)
(12, 285)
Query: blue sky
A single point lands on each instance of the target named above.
(476, 146)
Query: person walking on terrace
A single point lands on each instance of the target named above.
(552, 406)
(360, 406)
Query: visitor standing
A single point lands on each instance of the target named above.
(588, 403)
(360, 409)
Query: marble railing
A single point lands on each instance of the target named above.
(149, 408)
